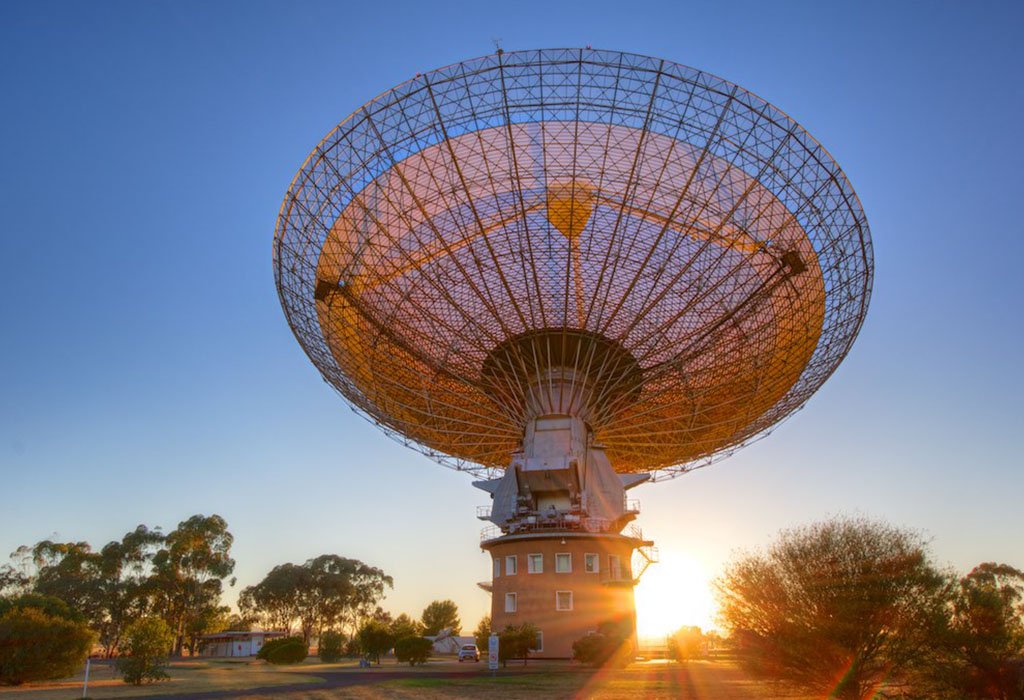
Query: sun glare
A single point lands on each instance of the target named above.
(673, 593)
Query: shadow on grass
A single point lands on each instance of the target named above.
(539, 681)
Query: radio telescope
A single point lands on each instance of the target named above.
(569, 272)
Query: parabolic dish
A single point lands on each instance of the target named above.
(674, 238)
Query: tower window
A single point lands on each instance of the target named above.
(510, 602)
(511, 565)
(563, 563)
(591, 563)
(535, 563)
(563, 600)
(497, 567)
(538, 644)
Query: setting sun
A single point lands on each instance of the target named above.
(671, 594)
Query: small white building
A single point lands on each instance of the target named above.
(236, 643)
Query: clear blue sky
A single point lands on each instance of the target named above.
(148, 372)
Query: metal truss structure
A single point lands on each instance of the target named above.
(667, 243)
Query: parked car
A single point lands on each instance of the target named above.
(469, 652)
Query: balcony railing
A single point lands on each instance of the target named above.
(568, 522)
(620, 577)
(542, 520)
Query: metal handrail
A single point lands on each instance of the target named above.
(622, 576)
(593, 525)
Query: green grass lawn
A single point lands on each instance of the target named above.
(705, 680)
(717, 679)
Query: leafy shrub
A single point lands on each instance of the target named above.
(375, 638)
(330, 647)
(415, 650)
(591, 649)
(287, 650)
(686, 644)
(597, 649)
(35, 646)
(268, 647)
(516, 641)
(610, 645)
(146, 643)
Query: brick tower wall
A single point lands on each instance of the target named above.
(597, 596)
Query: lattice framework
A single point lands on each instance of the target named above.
(630, 199)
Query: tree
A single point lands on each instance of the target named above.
(189, 572)
(375, 639)
(415, 650)
(834, 607)
(72, 572)
(379, 614)
(207, 620)
(12, 581)
(403, 626)
(979, 654)
(146, 643)
(280, 599)
(686, 644)
(35, 646)
(324, 593)
(125, 567)
(440, 615)
(108, 587)
(515, 642)
(482, 633)
(235, 623)
(54, 607)
(330, 646)
(345, 590)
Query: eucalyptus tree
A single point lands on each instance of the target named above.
(980, 653)
(125, 568)
(441, 615)
(324, 593)
(188, 574)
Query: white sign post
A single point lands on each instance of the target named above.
(492, 652)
